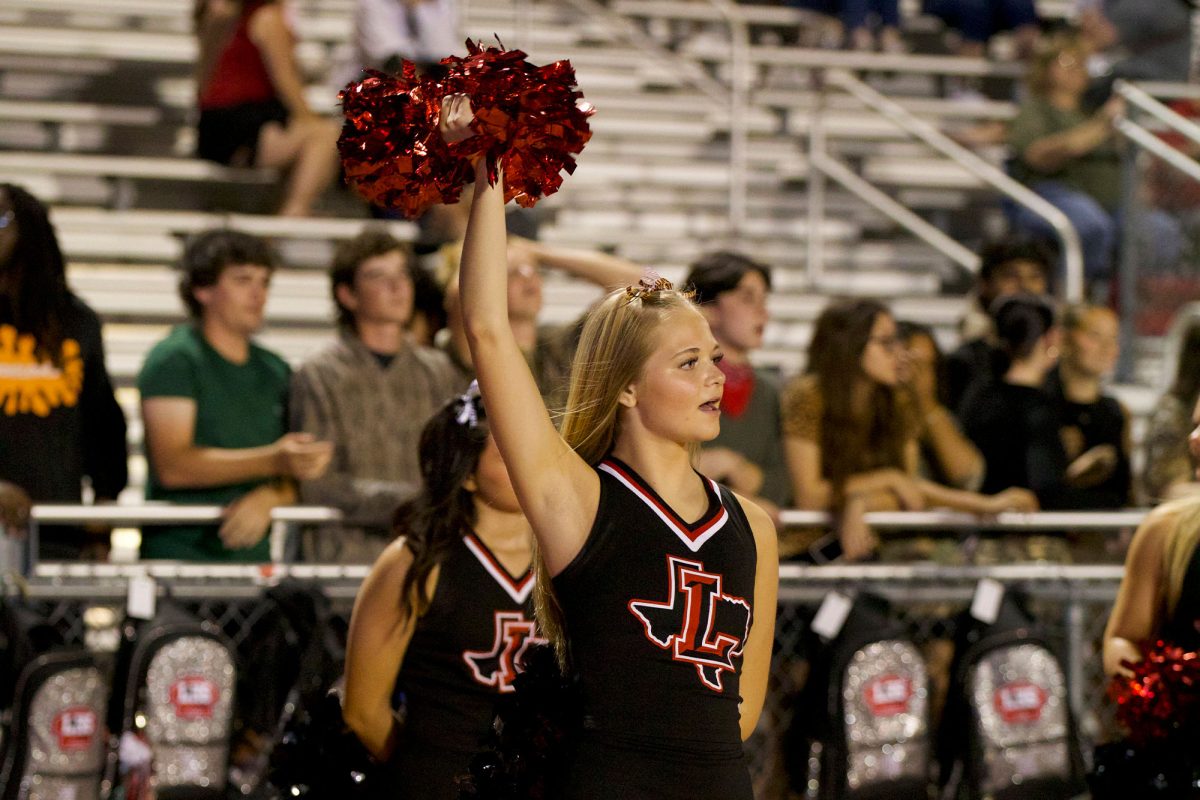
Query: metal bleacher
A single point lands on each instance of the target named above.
(95, 99)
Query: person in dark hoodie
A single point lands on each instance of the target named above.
(59, 419)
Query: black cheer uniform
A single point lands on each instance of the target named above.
(658, 612)
(1183, 628)
(462, 655)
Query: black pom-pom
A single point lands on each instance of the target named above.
(531, 735)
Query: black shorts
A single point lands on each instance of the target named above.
(230, 135)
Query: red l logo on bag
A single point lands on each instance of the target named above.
(194, 696)
(1020, 702)
(888, 695)
(74, 728)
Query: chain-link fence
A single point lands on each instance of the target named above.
(1072, 604)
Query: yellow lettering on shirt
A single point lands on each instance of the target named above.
(31, 386)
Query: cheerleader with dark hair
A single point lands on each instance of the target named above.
(444, 617)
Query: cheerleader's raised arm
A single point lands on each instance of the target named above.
(557, 489)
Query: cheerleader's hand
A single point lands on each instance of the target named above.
(1118, 654)
(455, 117)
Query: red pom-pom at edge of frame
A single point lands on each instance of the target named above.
(1163, 695)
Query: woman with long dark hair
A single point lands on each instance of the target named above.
(59, 419)
(946, 454)
(441, 622)
(851, 435)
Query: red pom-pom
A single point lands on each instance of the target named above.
(530, 121)
(1162, 697)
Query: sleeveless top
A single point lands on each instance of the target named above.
(240, 76)
(1183, 628)
(658, 612)
(462, 656)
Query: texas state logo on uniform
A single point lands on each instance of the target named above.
(513, 631)
(697, 622)
(497, 666)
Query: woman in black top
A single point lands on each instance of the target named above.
(1159, 598)
(1015, 423)
(442, 620)
(59, 417)
(1093, 426)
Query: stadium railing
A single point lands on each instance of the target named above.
(1072, 601)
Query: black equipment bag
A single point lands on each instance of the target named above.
(173, 700)
(53, 700)
(864, 718)
(1008, 731)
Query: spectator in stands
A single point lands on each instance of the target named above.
(747, 455)
(388, 32)
(1093, 426)
(369, 394)
(214, 405)
(855, 23)
(946, 455)
(860, 17)
(59, 418)
(253, 112)
(1138, 41)
(429, 308)
(549, 348)
(850, 435)
(1170, 469)
(1015, 423)
(1067, 154)
(977, 21)
(1007, 267)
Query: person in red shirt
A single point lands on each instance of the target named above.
(251, 96)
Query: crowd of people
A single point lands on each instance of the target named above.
(599, 486)
(1016, 418)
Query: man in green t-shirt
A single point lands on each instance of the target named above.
(214, 409)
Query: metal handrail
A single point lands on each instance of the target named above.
(1143, 101)
(981, 169)
(739, 106)
(1156, 146)
(953, 520)
(165, 514)
(621, 26)
(889, 520)
(825, 573)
